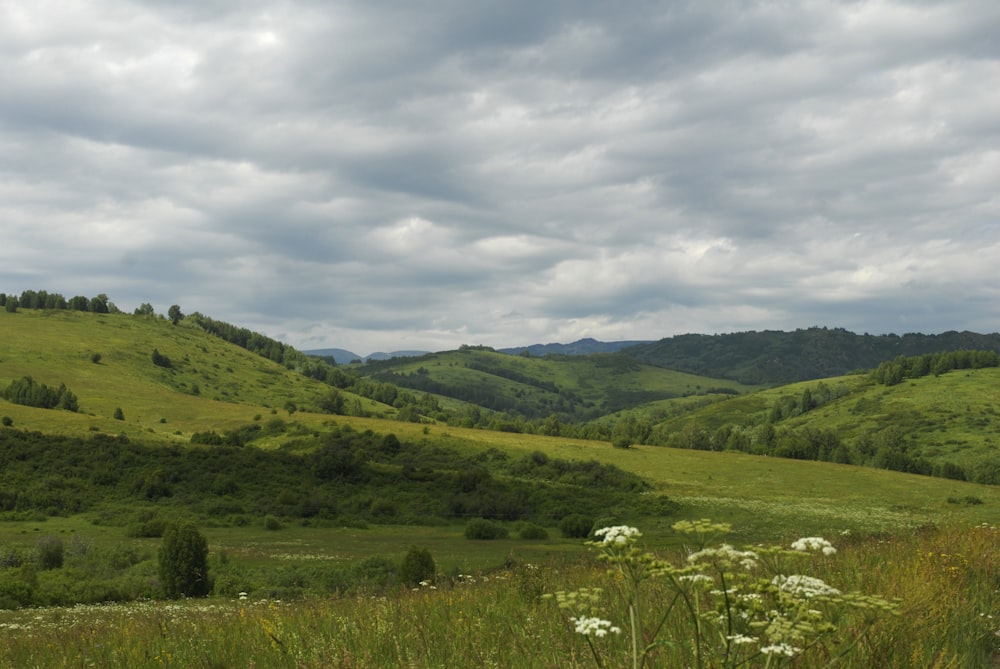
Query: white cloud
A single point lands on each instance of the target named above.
(361, 175)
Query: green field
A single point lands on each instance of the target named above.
(313, 550)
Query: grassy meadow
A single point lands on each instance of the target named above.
(321, 590)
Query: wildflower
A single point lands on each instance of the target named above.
(805, 586)
(595, 626)
(739, 639)
(618, 534)
(780, 649)
(725, 554)
(814, 544)
(243, 596)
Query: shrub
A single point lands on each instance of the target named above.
(7, 421)
(153, 527)
(532, 531)
(417, 566)
(375, 571)
(482, 529)
(183, 562)
(50, 553)
(119, 414)
(161, 360)
(272, 523)
(576, 526)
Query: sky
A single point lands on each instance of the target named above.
(418, 175)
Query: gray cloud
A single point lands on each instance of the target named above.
(427, 174)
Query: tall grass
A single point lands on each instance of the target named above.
(946, 582)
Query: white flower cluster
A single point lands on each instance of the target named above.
(618, 534)
(780, 649)
(595, 626)
(725, 553)
(804, 586)
(741, 639)
(814, 544)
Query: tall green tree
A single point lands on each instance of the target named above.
(174, 314)
(183, 562)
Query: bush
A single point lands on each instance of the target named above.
(50, 553)
(183, 562)
(151, 528)
(272, 523)
(119, 414)
(374, 572)
(482, 529)
(576, 526)
(532, 531)
(417, 566)
(7, 421)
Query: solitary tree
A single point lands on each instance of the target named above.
(174, 314)
(417, 566)
(183, 562)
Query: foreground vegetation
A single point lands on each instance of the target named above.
(944, 582)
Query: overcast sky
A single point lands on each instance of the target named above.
(421, 175)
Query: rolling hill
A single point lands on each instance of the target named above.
(773, 357)
(215, 386)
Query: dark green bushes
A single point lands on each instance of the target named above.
(576, 526)
(484, 530)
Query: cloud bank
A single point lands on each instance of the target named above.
(381, 176)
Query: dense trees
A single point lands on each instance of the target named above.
(41, 299)
(891, 373)
(28, 392)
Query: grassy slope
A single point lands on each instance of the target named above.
(56, 347)
(952, 417)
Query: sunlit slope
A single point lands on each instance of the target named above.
(953, 417)
(210, 385)
(573, 387)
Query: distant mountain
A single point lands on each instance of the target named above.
(773, 357)
(580, 347)
(343, 356)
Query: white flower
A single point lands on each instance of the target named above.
(618, 534)
(595, 626)
(780, 649)
(814, 544)
(739, 639)
(805, 586)
(725, 553)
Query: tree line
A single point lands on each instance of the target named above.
(914, 367)
(41, 299)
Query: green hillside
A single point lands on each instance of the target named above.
(573, 388)
(214, 386)
(210, 384)
(945, 425)
(773, 357)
